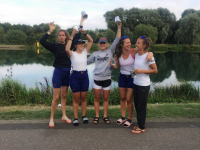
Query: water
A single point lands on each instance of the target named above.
(30, 67)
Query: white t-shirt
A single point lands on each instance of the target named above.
(141, 63)
(126, 65)
(79, 61)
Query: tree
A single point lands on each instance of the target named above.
(2, 32)
(177, 36)
(7, 26)
(145, 30)
(110, 35)
(129, 34)
(15, 37)
(30, 40)
(188, 11)
(163, 35)
(190, 29)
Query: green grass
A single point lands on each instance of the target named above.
(153, 111)
(12, 92)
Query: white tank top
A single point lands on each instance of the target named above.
(79, 61)
(126, 64)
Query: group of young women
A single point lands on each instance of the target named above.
(137, 59)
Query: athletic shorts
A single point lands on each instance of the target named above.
(79, 81)
(61, 77)
(105, 84)
(125, 81)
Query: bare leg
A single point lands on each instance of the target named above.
(56, 94)
(129, 98)
(106, 94)
(97, 96)
(123, 102)
(76, 99)
(83, 102)
(64, 90)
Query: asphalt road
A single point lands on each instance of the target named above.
(183, 134)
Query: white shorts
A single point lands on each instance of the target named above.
(105, 84)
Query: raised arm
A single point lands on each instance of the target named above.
(90, 40)
(118, 36)
(48, 45)
(69, 43)
(78, 34)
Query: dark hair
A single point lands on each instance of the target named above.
(66, 34)
(146, 41)
(118, 49)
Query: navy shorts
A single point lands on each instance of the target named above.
(79, 81)
(125, 81)
(61, 77)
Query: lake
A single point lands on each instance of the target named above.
(30, 67)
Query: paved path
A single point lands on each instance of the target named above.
(161, 134)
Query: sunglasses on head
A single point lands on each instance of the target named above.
(102, 43)
(143, 37)
(124, 37)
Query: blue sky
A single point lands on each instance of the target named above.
(66, 13)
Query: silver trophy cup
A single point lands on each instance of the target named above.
(75, 27)
(117, 20)
(84, 14)
(133, 74)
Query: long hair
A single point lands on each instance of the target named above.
(118, 49)
(66, 34)
(147, 42)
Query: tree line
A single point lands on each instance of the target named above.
(158, 24)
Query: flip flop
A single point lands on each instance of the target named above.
(135, 127)
(67, 120)
(138, 131)
(51, 124)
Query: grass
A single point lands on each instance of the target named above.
(153, 111)
(12, 92)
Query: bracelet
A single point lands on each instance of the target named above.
(71, 39)
(81, 26)
(49, 31)
(85, 34)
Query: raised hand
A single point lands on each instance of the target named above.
(52, 26)
(82, 31)
(74, 32)
(119, 25)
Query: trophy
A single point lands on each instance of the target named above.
(84, 14)
(133, 74)
(75, 27)
(117, 20)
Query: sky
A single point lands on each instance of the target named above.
(67, 13)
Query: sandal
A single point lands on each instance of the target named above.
(67, 120)
(96, 119)
(51, 124)
(106, 119)
(138, 131)
(85, 119)
(121, 120)
(128, 123)
(135, 127)
(75, 122)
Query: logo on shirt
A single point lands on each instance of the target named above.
(102, 59)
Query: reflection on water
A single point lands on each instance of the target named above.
(30, 67)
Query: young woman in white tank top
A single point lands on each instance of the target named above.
(125, 58)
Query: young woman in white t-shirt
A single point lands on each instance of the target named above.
(124, 56)
(142, 81)
(79, 81)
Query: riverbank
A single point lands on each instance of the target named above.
(13, 47)
(154, 111)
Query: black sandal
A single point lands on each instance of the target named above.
(75, 122)
(106, 119)
(96, 120)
